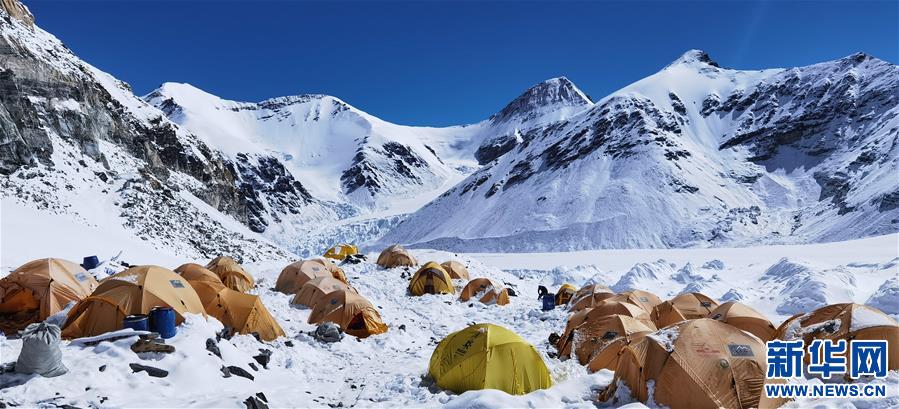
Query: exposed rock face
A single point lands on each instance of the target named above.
(18, 11)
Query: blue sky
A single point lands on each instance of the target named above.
(435, 63)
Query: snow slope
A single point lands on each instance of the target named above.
(390, 370)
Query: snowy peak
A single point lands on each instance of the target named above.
(694, 57)
(543, 99)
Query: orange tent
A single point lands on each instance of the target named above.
(195, 272)
(396, 256)
(643, 299)
(486, 291)
(134, 291)
(231, 273)
(566, 291)
(687, 306)
(455, 269)
(603, 309)
(296, 274)
(745, 318)
(244, 314)
(332, 267)
(39, 289)
(698, 363)
(355, 315)
(318, 287)
(206, 290)
(594, 335)
(843, 321)
(590, 296)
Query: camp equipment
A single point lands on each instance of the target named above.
(134, 291)
(162, 321)
(396, 256)
(488, 356)
(431, 279)
(137, 322)
(40, 351)
(231, 273)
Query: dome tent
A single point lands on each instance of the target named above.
(565, 293)
(604, 309)
(332, 267)
(590, 296)
(643, 299)
(745, 318)
(134, 291)
(354, 314)
(244, 314)
(843, 321)
(456, 270)
(698, 363)
(296, 274)
(195, 272)
(594, 335)
(231, 273)
(486, 291)
(396, 256)
(341, 251)
(39, 289)
(431, 279)
(315, 289)
(687, 306)
(488, 356)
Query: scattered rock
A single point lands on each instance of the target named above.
(254, 402)
(229, 370)
(212, 347)
(264, 357)
(154, 372)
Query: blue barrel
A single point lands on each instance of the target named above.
(139, 322)
(549, 302)
(162, 320)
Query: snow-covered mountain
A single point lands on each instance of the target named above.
(694, 155)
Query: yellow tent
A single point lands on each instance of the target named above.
(231, 273)
(39, 289)
(487, 356)
(431, 279)
(341, 251)
(134, 291)
(244, 314)
(336, 271)
(565, 293)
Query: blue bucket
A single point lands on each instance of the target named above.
(139, 322)
(162, 320)
(549, 302)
